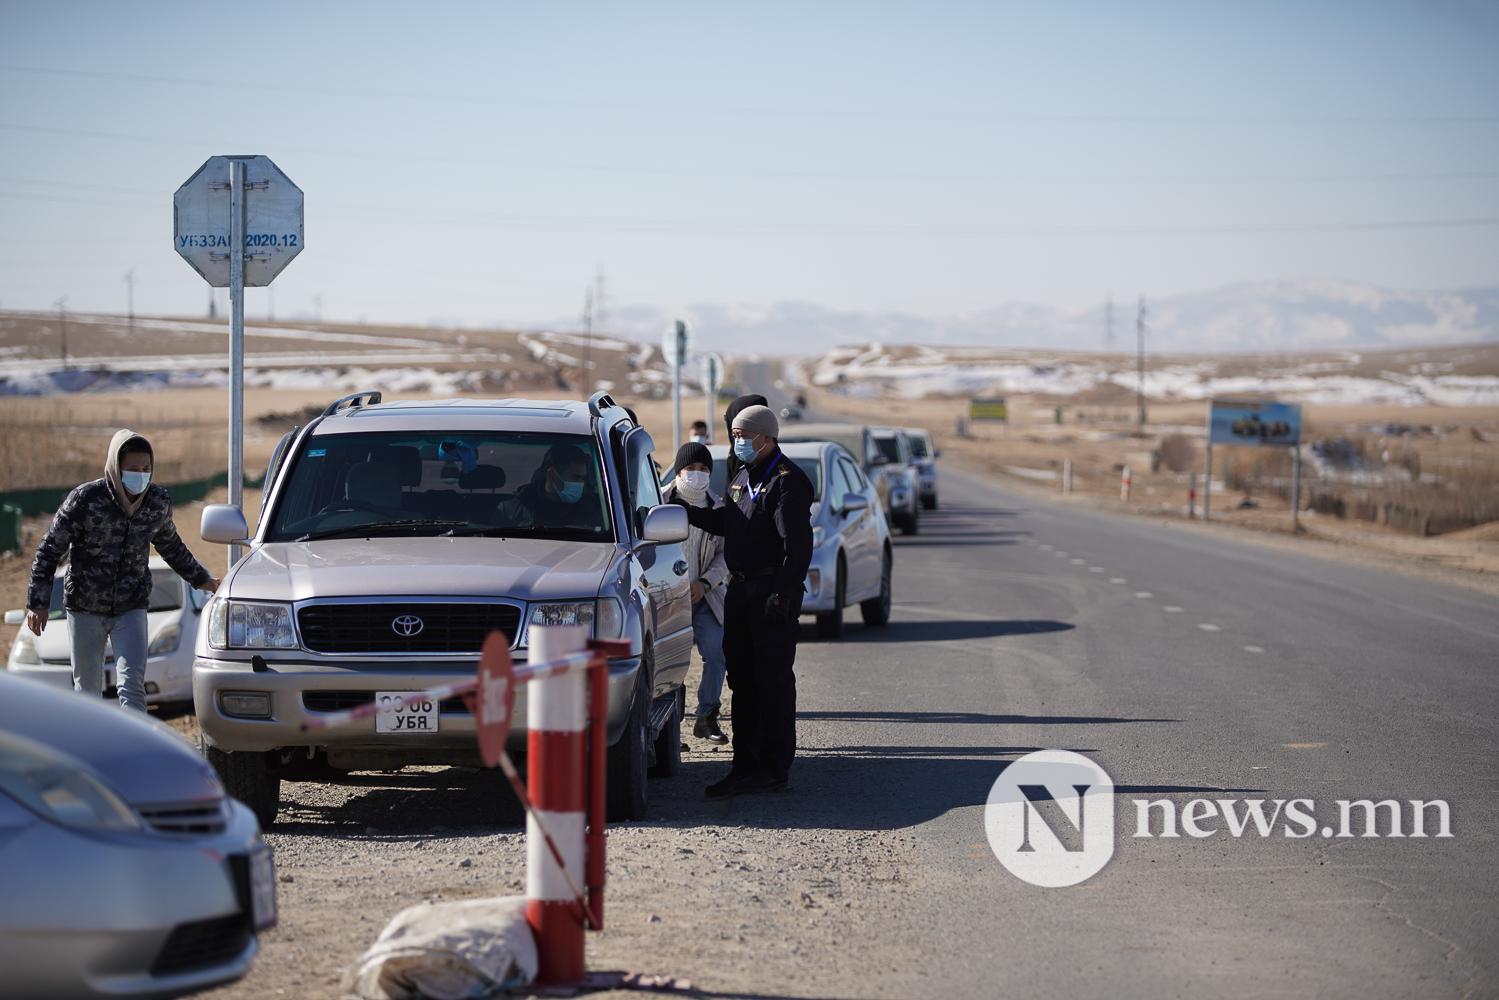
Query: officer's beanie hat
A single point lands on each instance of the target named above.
(758, 420)
(691, 452)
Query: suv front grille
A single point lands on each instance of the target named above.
(190, 817)
(203, 943)
(372, 628)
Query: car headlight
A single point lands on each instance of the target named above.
(250, 625)
(24, 650)
(166, 641)
(819, 535)
(57, 788)
(576, 613)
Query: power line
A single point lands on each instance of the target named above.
(755, 174)
(351, 213)
(768, 111)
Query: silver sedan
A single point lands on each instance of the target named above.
(128, 871)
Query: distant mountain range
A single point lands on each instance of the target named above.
(1260, 316)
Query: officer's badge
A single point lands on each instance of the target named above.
(736, 493)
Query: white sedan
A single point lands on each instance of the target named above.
(172, 622)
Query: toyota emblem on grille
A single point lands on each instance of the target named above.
(407, 625)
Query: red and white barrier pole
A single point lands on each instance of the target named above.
(1124, 484)
(557, 724)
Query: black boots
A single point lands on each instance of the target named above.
(706, 728)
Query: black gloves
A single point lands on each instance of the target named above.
(777, 610)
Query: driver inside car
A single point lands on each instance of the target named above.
(557, 495)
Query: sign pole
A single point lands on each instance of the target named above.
(236, 339)
(1295, 486)
(1207, 482)
(676, 389)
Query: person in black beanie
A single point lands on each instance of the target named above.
(710, 577)
(735, 408)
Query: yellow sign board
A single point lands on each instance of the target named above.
(986, 409)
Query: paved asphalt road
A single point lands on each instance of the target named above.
(1188, 667)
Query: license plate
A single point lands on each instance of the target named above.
(418, 716)
(262, 889)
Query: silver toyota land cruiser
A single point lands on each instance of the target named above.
(393, 538)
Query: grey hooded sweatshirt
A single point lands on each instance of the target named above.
(108, 537)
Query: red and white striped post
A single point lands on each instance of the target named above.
(557, 726)
(1124, 484)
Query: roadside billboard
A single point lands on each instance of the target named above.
(1254, 423)
(987, 409)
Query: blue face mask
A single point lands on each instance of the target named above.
(135, 482)
(570, 492)
(743, 450)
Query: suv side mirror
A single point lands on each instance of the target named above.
(854, 502)
(224, 524)
(17, 617)
(880, 459)
(937, 453)
(666, 523)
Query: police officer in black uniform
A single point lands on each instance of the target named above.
(766, 521)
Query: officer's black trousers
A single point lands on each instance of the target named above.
(760, 659)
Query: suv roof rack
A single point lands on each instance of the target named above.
(372, 395)
(598, 403)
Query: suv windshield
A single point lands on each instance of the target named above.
(463, 482)
(918, 446)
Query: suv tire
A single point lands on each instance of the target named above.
(247, 777)
(876, 610)
(912, 521)
(830, 623)
(628, 759)
(668, 763)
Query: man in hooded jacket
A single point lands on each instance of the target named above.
(107, 528)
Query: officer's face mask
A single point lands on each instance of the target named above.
(745, 450)
(135, 482)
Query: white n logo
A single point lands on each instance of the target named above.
(1050, 818)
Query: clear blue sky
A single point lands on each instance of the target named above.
(475, 163)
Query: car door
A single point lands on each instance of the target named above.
(664, 569)
(861, 537)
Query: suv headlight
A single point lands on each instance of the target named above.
(604, 616)
(250, 625)
(166, 641)
(819, 535)
(57, 788)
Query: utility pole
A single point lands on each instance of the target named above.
(1108, 321)
(1140, 385)
(587, 341)
(62, 329)
(130, 299)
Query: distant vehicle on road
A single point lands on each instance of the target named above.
(791, 412)
(895, 448)
(171, 621)
(852, 559)
(397, 536)
(128, 871)
(926, 464)
(893, 480)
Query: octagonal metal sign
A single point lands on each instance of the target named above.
(273, 220)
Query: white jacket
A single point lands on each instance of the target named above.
(704, 554)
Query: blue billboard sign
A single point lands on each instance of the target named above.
(1254, 424)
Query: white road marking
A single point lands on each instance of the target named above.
(1172, 608)
(1095, 569)
(1253, 649)
(1060, 555)
(1118, 579)
(1046, 548)
(1144, 593)
(1078, 562)
(1208, 628)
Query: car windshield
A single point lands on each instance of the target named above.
(889, 447)
(166, 591)
(918, 446)
(462, 482)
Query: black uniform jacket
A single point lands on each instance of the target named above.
(766, 521)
